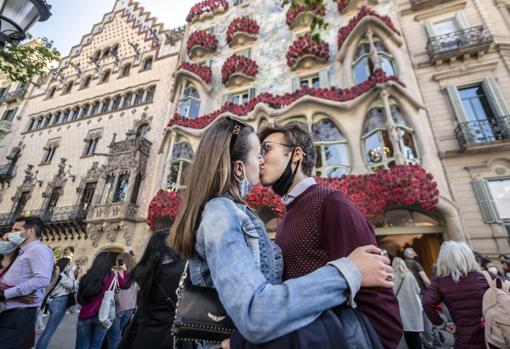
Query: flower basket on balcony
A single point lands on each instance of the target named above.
(202, 71)
(200, 43)
(242, 30)
(165, 204)
(365, 11)
(238, 69)
(206, 8)
(302, 16)
(305, 52)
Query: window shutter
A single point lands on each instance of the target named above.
(484, 198)
(324, 78)
(212, 29)
(456, 102)
(461, 20)
(429, 27)
(296, 83)
(495, 97)
(13, 114)
(252, 93)
(208, 62)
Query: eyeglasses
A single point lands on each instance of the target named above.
(264, 146)
(238, 127)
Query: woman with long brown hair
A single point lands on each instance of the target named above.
(228, 248)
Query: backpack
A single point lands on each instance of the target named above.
(496, 313)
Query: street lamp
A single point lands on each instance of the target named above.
(17, 16)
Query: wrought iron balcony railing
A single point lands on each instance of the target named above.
(422, 4)
(6, 172)
(463, 42)
(7, 219)
(483, 131)
(16, 94)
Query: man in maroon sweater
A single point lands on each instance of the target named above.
(320, 224)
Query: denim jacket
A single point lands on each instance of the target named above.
(234, 254)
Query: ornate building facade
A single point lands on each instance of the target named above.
(356, 90)
(88, 135)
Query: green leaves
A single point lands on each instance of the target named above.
(23, 62)
(318, 23)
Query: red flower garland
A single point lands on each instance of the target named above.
(204, 72)
(242, 24)
(205, 6)
(304, 45)
(365, 11)
(342, 4)
(281, 101)
(165, 203)
(202, 38)
(404, 185)
(238, 64)
(293, 13)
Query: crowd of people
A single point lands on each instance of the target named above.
(322, 283)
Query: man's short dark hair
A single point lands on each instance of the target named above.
(32, 222)
(297, 135)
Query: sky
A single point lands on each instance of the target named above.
(72, 19)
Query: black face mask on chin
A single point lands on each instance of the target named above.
(282, 184)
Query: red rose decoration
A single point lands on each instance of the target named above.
(342, 4)
(164, 204)
(293, 13)
(304, 45)
(202, 38)
(242, 24)
(238, 64)
(204, 72)
(205, 7)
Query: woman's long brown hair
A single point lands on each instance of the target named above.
(209, 176)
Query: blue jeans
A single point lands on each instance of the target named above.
(57, 309)
(115, 332)
(90, 333)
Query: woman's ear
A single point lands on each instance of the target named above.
(238, 169)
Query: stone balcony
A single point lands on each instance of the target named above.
(15, 95)
(459, 44)
(112, 212)
(5, 126)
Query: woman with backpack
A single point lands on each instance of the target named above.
(461, 286)
(58, 301)
(90, 332)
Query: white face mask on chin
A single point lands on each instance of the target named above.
(244, 184)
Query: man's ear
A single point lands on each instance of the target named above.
(298, 154)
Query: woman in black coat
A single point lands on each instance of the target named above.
(157, 274)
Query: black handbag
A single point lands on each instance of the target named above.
(199, 315)
(71, 299)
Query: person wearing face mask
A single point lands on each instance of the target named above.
(321, 224)
(30, 272)
(228, 249)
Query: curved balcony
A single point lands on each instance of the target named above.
(201, 43)
(238, 70)
(305, 53)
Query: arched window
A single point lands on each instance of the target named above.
(116, 103)
(97, 55)
(125, 70)
(69, 87)
(143, 131)
(106, 105)
(86, 82)
(332, 150)
(377, 144)
(127, 100)
(95, 109)
(53, 89)
(190, 102)
(85, 111)
(181, 158)
(147, 64)
(139, 97)
(363, 65)
(74, 114)
(65, 116)
(106, 76)
(150, 94)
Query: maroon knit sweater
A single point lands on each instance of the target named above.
(322, 225)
